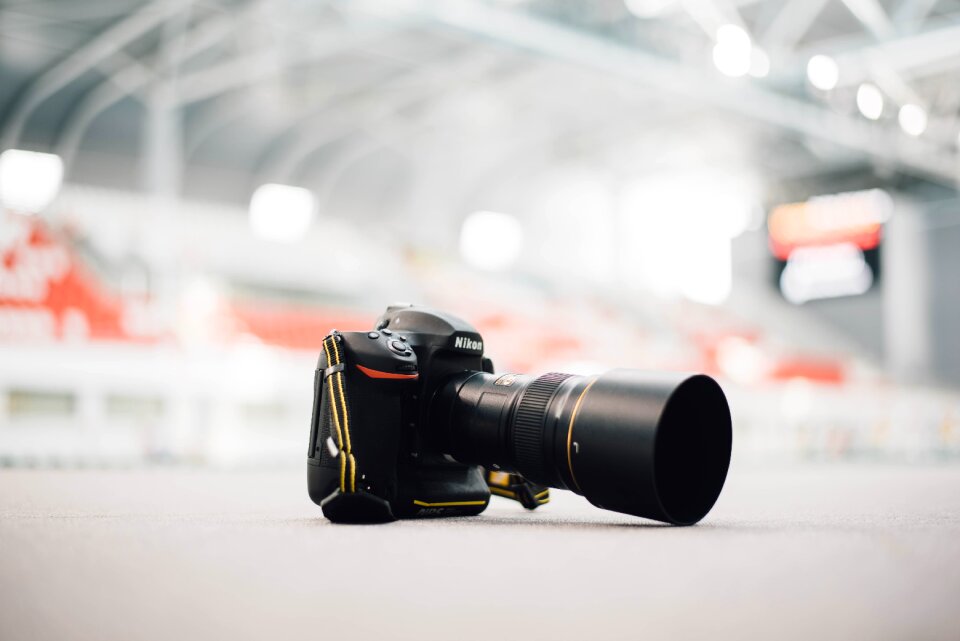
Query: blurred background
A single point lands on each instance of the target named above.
(195, 192)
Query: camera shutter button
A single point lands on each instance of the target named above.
(397, 346)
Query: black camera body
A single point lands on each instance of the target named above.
(382, 382)
(409, 420)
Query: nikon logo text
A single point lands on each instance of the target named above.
(465, 342)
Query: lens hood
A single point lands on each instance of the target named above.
(655, 445)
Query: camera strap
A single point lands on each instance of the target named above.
(515, 487)
(336, 386)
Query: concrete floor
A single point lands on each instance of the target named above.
(804, 553)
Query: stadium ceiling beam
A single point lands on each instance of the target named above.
(131, 78)
(726, 5)
(255, 66)
(911, 14)
(125, 81)
(906, 54)
(876, 21)
(458, 69)
(791, 23)
(227, 112)
(523, 31)
(437, 179)
(224, 113)
(872, 16)
(103, 46)
(710, 15)
(527, 150)
(57, 11)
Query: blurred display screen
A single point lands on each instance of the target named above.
(828, 246)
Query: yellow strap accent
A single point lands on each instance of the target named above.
(353, 474)
(333, 405)
(448, 503)
(343, 404)
(336, 424)
(542, 498)
(498, 478)
(343, 436)
(343, 398)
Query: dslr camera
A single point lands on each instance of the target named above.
(410, 420)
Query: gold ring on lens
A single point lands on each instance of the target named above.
(573, 417)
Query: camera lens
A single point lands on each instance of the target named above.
(654, 445)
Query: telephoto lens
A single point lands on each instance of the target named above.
(655, 445)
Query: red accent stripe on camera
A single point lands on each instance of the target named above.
(375, 373)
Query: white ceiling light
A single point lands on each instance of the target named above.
(732, 53)
(869, 101)
(29, 180)
(733, 36)
(759, 63)
(491, 240)
(823, 72)
(913, 119)
(281, 213)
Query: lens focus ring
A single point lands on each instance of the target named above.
(528, 424)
